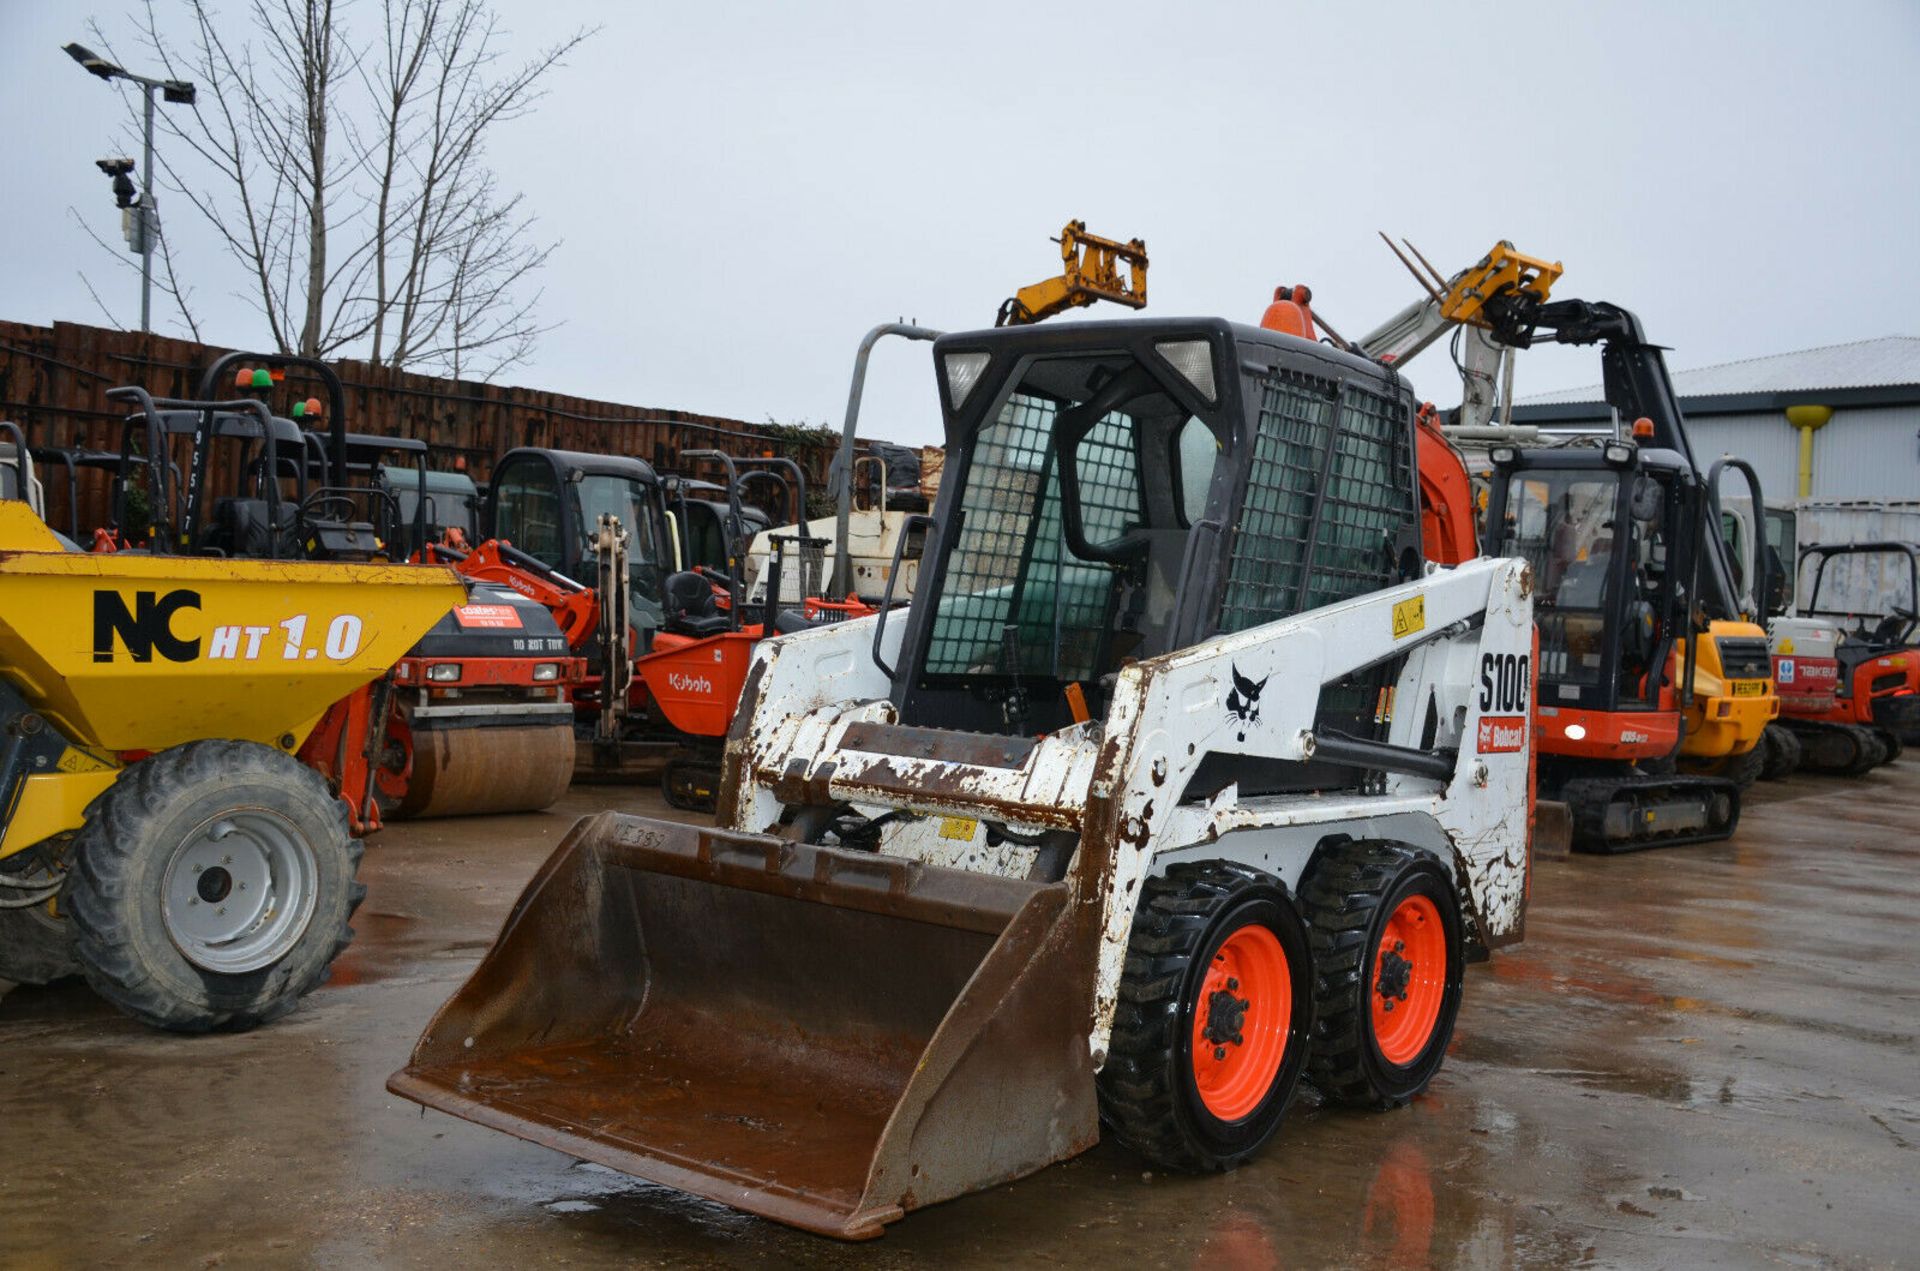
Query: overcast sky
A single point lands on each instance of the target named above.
(740, 191)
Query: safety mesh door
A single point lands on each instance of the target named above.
(1011, 563)
(1329, 490)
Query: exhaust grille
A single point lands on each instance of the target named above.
(1744, 658)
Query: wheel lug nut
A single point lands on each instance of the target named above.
(1232, 983)
(1219, 1052)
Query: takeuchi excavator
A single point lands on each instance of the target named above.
(1182, 778)
(1655, 680)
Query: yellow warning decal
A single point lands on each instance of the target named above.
(958, 827)
(1409, 616)
(1786, 645)
(77, 760)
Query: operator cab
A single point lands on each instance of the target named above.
(1871, 591)
(700, 510)
(548, 503)
(1119, 490)
(1600, 527)
(451, 499)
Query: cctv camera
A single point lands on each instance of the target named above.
(114, 167)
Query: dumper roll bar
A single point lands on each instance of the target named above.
(336, 406)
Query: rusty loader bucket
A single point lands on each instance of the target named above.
(825, 1038)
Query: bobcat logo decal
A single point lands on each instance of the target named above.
(1243, 701)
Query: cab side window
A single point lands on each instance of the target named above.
(527, 511)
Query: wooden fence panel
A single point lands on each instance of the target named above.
(53, 383)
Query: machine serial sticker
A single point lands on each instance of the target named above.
(496, 617)
(1749, 688)
(960, 828)
(1501, 734)
(1409, 616)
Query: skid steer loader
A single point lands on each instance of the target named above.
(1182, 777)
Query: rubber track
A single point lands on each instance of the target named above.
(98, 893)
(1590, 796)
(1137, 1098)
(1783, 752)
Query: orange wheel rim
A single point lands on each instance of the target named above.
(1241, 1021)
(1409, 980)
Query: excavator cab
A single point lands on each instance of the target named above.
(548, 504)
(1633, 673)
(1611, 575)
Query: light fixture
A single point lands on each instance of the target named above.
(963, 372)
(1193, 361)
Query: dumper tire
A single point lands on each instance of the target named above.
(134, 914)
(1783, 753)
(36, 944)
(1383, 921)
(1194, 925)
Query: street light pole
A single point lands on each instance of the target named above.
(149, 220)
(146, 215)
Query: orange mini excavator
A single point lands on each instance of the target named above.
(1647, 662)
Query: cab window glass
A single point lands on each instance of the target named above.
(1195, 453)
(527, 512)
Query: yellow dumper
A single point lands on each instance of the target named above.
(156, 832)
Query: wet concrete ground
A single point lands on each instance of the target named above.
(1706, 1056)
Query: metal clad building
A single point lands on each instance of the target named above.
(1869, 448)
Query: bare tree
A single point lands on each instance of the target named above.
(345, 170)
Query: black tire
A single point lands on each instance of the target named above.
(36, 946)
(163, 809)
(1350, 893)
(1783, 753)
(1149, 1094)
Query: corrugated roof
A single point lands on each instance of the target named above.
(1884, 362)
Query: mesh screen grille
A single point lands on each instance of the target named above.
(1012, 516)
(1329, 489)
(1285, 560)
